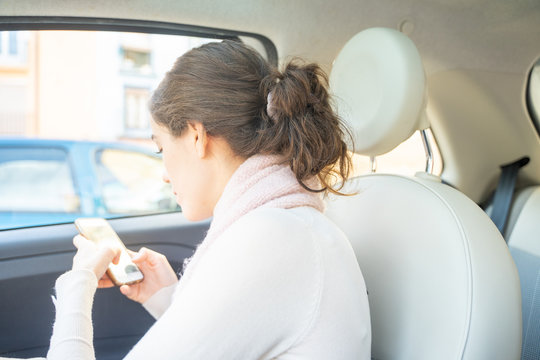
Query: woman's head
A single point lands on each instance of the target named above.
(225, 88)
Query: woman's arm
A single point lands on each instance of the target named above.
(158, 303)
(73, 333)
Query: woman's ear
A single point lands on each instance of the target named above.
(200, 139)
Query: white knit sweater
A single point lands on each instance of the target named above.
(277, 284)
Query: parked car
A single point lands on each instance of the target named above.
(56, 181)
(479, 93)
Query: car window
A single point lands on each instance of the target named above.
(130, 183)
(36, 180)
(406, 159)
(90, 89)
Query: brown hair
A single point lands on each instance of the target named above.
(225, 86)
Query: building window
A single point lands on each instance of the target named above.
(136, 115)
(136, 61)
(12, 43)
(13, 48)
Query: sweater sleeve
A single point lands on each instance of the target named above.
(253, 295)
(160, 301)
(72, 331)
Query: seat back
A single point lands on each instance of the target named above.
(441, 281)
(523, 234)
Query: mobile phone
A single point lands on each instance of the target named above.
(100, 231)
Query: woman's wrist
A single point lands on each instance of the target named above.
(79, 274)
(158, 302)
(75, 289)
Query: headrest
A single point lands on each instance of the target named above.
(378, 84)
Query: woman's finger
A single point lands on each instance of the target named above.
(116, 259)
(141, 256)
(80, 241)
(128, 291)
(131, 253)
(105, 283)
(104, 257)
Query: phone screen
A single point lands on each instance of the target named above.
(99, 231)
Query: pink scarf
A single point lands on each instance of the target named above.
(261, 181)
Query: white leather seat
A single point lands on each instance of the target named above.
(441, 281)
(523, 234)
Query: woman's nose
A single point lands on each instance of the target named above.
(165, 177)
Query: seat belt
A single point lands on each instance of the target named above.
(505, 192)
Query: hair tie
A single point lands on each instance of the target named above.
(269, 106)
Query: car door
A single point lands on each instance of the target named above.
(32, 258)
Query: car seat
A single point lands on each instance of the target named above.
(522, 233)
(440, 279)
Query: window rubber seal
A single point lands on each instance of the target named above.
(534, 113)
(8, 23)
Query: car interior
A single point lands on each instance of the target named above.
(450, 249)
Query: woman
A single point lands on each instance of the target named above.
(274, 278)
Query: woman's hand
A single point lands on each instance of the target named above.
(157, 272)
(93, 257)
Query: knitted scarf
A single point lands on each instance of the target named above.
(261, 181)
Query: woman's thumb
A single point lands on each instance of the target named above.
(141, 256)
(126, 290)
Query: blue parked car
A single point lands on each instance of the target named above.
(56, 181)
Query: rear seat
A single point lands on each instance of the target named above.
(523, 236)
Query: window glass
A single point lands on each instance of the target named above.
(92, 89)
(36, 180)
(12, 43)
(533, 95)
(136, 60)
(406, 159)
(14, 47)
(131, 183)
(136, 116)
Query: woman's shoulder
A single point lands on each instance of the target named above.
(271, 236)
(277, 224)
(301, 229)
(273, 225)
(267, 249)
(305, 219)
(270, 216)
